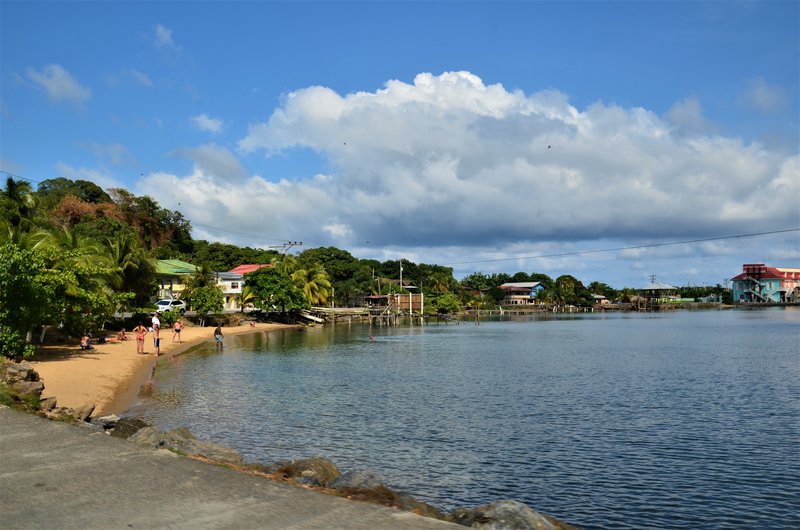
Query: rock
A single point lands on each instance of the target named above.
(84, 413)
(47, 404)
(406, 502)
(308, 481)
(362, 479)
(28, 388)
(321, 469)
(106, 422)
(127, 427)
(19, 371)
(182, 441)
(507, 515)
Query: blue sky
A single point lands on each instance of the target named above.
(473, 134)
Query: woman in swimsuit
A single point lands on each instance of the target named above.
(140, 331)
(176, 331)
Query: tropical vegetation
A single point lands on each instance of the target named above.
(73, 255)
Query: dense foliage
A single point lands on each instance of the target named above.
(72, 254)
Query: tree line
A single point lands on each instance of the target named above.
(73, 255)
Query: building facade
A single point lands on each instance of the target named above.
(520, 293)
(759, 283)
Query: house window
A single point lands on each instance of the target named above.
(234, 285)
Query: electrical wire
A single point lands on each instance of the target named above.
(633, 247)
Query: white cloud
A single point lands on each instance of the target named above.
(688, 114)
(100, 177)
(764, 97)
(140, 77)
(116, 154)
(447, 168)
(215, 161)
(206, 123)
(59, 84)
(163, 37)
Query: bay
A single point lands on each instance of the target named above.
(681, 419)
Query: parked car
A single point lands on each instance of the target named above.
(171, 305)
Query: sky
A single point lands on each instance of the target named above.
(607, 140)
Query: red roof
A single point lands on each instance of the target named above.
(244, 269)
(759, 270)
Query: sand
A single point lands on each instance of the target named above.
(111, 375)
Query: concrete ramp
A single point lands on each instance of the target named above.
(55, 475)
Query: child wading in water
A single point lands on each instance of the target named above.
(218, 337)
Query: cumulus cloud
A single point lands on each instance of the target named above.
(764, 97)
(100, 177)
(448, 165)
(208, 124)
(688, 114)
(59, 84)
(216, 162)
(116, 154)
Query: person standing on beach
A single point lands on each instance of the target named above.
(156, 329)
(218, 337)
(176, 331)
(140, 332)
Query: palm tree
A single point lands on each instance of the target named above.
(23, 204)
(247, 296)
(134, 269)
(314, 283)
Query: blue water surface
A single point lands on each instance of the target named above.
(683, 419)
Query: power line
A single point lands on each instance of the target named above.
(652, 245)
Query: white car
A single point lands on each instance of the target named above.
(171, 305)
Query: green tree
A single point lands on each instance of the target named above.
(205, 300)
(19, 203)
(133, 270)
(274, 288)
(313, 282)
(24, 294)
(446, 303)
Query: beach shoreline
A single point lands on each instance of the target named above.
(111, 375)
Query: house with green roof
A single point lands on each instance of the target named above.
(171, 276)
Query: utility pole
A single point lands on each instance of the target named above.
(286, 246)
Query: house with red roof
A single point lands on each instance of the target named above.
(759, 283)
(250, 267)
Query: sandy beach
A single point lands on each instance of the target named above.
(111, 375)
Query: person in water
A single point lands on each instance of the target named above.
(218, 337)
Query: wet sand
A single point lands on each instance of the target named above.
(110, 375)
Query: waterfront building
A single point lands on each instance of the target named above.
(520, 293)
(171, 275)
(230, 283)
(759, 283)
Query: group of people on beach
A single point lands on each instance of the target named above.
(141, 332)
(155, 328)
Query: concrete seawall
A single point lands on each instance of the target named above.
(56, 475)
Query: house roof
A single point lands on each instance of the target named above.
(520, 285)
(656, 286)
(768, 273)
(174, 267)
(250, 267)
(228, 276)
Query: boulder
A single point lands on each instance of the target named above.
(106, 422)
(28, 388)
(320, 469)
(84, 412)
(47, 404)
(182, 441)
(357, 480)
(127, 427)
(507, 515)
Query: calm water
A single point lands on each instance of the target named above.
(666, 420)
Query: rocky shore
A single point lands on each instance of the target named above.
(22, 387)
